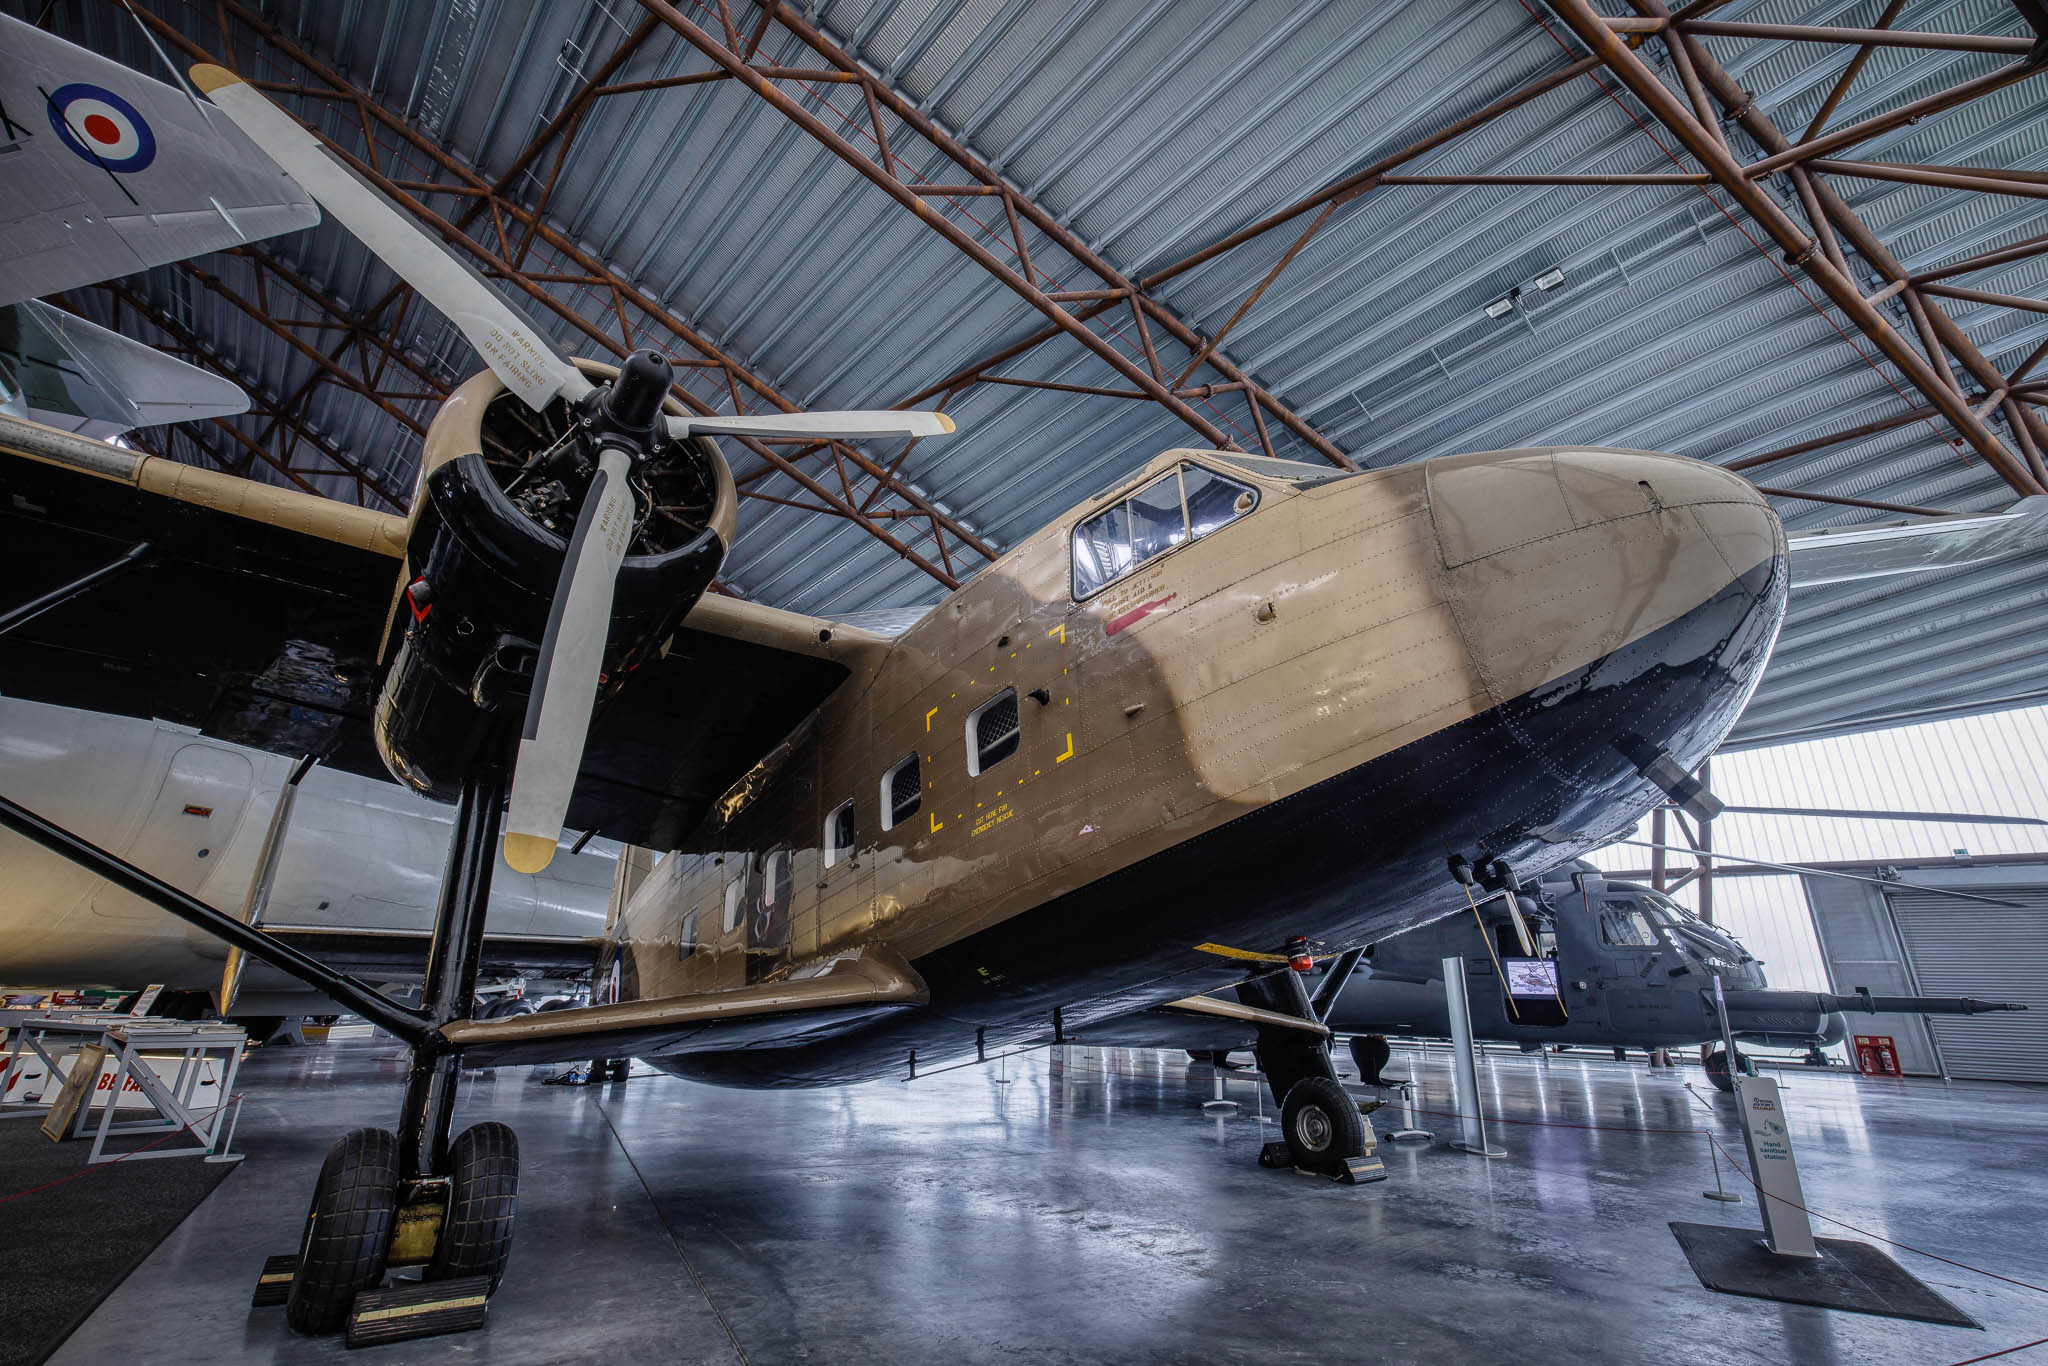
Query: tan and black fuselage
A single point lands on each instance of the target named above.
(1281, 727)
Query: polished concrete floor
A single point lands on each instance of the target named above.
(1088, 1208)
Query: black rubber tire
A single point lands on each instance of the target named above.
(1322, 1125)
(1716, 1064)
(483, 1204)
(1371, 1052)
(348, 1230)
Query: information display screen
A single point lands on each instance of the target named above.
(1530, 978)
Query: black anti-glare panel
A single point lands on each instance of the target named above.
(1848, 1275)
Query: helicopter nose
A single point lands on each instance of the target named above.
(1561, 560)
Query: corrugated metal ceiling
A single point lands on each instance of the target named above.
(1150, 129)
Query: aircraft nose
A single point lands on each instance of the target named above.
(1654, 580)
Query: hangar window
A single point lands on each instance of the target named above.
(735, 893)
(993, 729)
(1185, 505)
(839, 833)
(687, 944)
(902, 791)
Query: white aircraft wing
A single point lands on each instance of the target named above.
(79, 377)
(1917, 545)
(105, 172)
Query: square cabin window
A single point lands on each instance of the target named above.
(839, 833)
(735, 894)
(1214, 500)
(993, 730)
(688, 936)
(902, 791)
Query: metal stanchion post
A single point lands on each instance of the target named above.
(1463, 1073)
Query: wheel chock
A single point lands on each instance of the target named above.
(1357, 1170)
(274, 1285)
(422, 1310)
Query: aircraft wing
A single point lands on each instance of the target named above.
(259, 615)
(830, 996)
(105, 172)
(82, 378)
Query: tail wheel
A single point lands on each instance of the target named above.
(483, 1201)
(1322, 1125)
(348, 1230)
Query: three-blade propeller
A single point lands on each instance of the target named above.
(567, 674)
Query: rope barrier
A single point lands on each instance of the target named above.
(164, 1137)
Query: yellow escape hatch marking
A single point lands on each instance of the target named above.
(1062, 758)
(928, 720)
(1060, 631)
(937, 824)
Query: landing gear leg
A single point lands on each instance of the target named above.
(1322, 1127)
(415, 1199)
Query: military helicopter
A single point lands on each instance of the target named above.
(1612, 963)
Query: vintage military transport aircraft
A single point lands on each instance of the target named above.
(1131, 763)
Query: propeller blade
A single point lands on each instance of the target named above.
(1855, 813)
(517, 353)
(565, 678)
(851, 425)
(1817, 872)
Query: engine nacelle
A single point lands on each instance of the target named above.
(481, 570)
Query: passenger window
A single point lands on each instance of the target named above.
(839, 833)
(775, 879)
(688, 944)
(1189, 503)
(992, 732)
(1214, 500)
(735, 893)
(902, 791)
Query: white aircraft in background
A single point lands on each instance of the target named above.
(355, 883)
(103, 173)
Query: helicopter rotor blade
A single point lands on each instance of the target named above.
(1807, 869)
(1855, 813)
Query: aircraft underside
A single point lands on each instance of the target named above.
(1538, 780)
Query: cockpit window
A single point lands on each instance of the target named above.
(1184, 505)
(1624, 925)
(1296, 472)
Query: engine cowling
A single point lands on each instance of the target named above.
(495, 504)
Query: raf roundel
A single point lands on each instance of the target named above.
(101, 127)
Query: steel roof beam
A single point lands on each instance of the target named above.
(263, 405)
(1938, 331)
(979, 180)
(515, 228)
(1805, 251)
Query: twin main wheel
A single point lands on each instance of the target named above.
(348, 1229)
